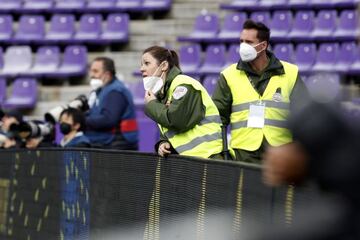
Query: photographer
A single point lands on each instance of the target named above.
(72, 125)
(111, 120)
(8, 139)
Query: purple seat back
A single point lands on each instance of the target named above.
(232, 26)
(6, 28)
(284, 52)
(346, 56)
(214, 58)
(2, 90)
(281, 23)
(90, 23)
(206, 23)
(31, 27)
(327, 53)
(345, 3)
(62, 26)
(348, 26)
(324, 86)
(128, 4)
(117, 26)
(298, 3)
(103, 4)
(74, 58)
(304, 22)
(38, 4)
(190, 57)
(25, 87)
(47, 59)
(263, 17)
(305, 55)
(70, 4)
(325, 23)
(232, 54)
(10, 4)
(17, 59)
(156, 4)
(210, 82)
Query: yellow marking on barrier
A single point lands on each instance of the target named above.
(21, 208)
(87, 195)
(68, 213)
(10, 231)
(72, 170)
(26, 220)
(15, 182)
(16, 166)
(61, 235)
(38, 153)
(73, 211)
(81, 186)
(12, 207)
(84, 217)
(28, 237)
(78, 209)
(32, 171)
(76, 173)
(85, 163)
(36, 196)
(239, 200)
(13, 196)
(38, 227)
(47, 209)
(63, 205)
(289, 205)
(201, 213)
(67, 174)
(11, 220)
(43, 183)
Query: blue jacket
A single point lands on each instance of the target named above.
(79, 141)
(113, 116)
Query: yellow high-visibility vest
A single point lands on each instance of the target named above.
(276, 108)
(204, 139)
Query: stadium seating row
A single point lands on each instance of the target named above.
(304, 26)
(254, 5)
(331, 57)
(48, 62)
(62, 29)
(56, 6)
(23, 95)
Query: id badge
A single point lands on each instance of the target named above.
(256, 115)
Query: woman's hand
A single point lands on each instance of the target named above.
(149, 96)
(164, 149)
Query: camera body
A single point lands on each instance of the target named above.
(80, 102)
(32, 129)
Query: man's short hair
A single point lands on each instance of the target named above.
(77, 117)
(263, 31)
(108, 64)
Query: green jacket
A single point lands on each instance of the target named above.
(175, 116)
(223, 99)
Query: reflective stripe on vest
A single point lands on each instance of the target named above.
(204, 139)
(276, 110)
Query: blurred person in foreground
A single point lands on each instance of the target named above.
(111, 120)
(254, 96)
(188, 119)
(8, 138)
(326, 150)
(72, 125)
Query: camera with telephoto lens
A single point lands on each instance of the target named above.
(32, 129)
(80, 102)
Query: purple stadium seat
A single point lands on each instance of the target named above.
(263, 17)
(303, 26)
(232, 54)
(62, 28)
(47, 60)
(214, 59)
(148, 134)
(321, 4)
(17, 59)
(230, 31)
(117, 28)
(210, 82)
(326, 57)
(298, 4)
(24, 94)
(305, 55)
(156, 5)
(346, 57)
(103, 5)
(31, 28)
(90, 28)
(190, 58)
(325, 25)
(355, 67)
(6, 28)
(348, 26)
(2, 90)
(285, 52)
(345, 3)
(69, 5)
(9, 5)
(281, 24)
(206, 27)
(129, 5)
(274, 4)
(74, 62)
(36, 5)
(324, 87)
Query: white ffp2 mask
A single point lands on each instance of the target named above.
(95, 83)
(247, 52)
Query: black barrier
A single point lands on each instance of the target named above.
(87, 194)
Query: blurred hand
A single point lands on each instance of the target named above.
(164, 149)
(149, 96)
(285, 164)
(9, 143)
(33, 143)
